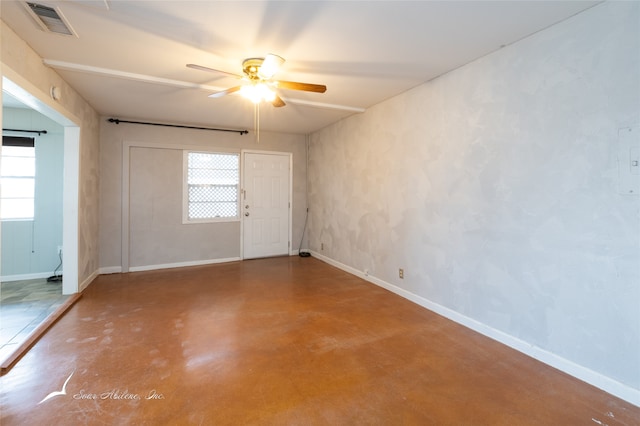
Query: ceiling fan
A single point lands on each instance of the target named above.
(259, 73)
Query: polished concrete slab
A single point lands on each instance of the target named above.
(282, 341)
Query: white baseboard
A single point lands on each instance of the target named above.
(84, 284)
(181, 264)
(24, 277)
(42, 275)
(110, 270)
(598, 380)
(118, 269)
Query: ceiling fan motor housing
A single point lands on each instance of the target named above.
(251, 67)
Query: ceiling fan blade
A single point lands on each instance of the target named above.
(307, 87)
(225, 92)
(207, 69)
(278, 102)
(270, 66)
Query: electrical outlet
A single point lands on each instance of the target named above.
(401, 273)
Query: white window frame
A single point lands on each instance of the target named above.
(185, 189)
(33, 178)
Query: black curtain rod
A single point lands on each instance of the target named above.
(118, 121)
(39, 132)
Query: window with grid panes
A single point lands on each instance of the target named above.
(18, 178)
(211, 186)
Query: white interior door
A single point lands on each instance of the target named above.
(266, 204)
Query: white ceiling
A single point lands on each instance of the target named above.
(363, 51)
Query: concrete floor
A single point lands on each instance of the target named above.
(283, 341)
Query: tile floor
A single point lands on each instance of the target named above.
(23, 306)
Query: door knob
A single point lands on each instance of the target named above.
(246, 213)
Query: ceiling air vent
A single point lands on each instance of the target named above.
(50, 19)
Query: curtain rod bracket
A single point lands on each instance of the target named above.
(118, 121)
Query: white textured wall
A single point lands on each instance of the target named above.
(495, 188)
(17, 55)
(216, 241)
(31, 247)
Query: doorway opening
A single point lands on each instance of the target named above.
(28, 287)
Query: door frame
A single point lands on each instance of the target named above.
(242, 189)
(125, 187)
(23, 90)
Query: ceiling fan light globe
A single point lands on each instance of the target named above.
(257, 93)
(270, 66)
(265, 92)
(250, 93)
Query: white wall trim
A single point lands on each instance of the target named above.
(180, 147)
(182, 264)
(118, 269)
(591, 377)
(24, 277)
(30, 95)
(242, 184)
(70, 210)
(124, 212)
(126, 147)
(110, 270)
(43, 275)
(84, 284)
